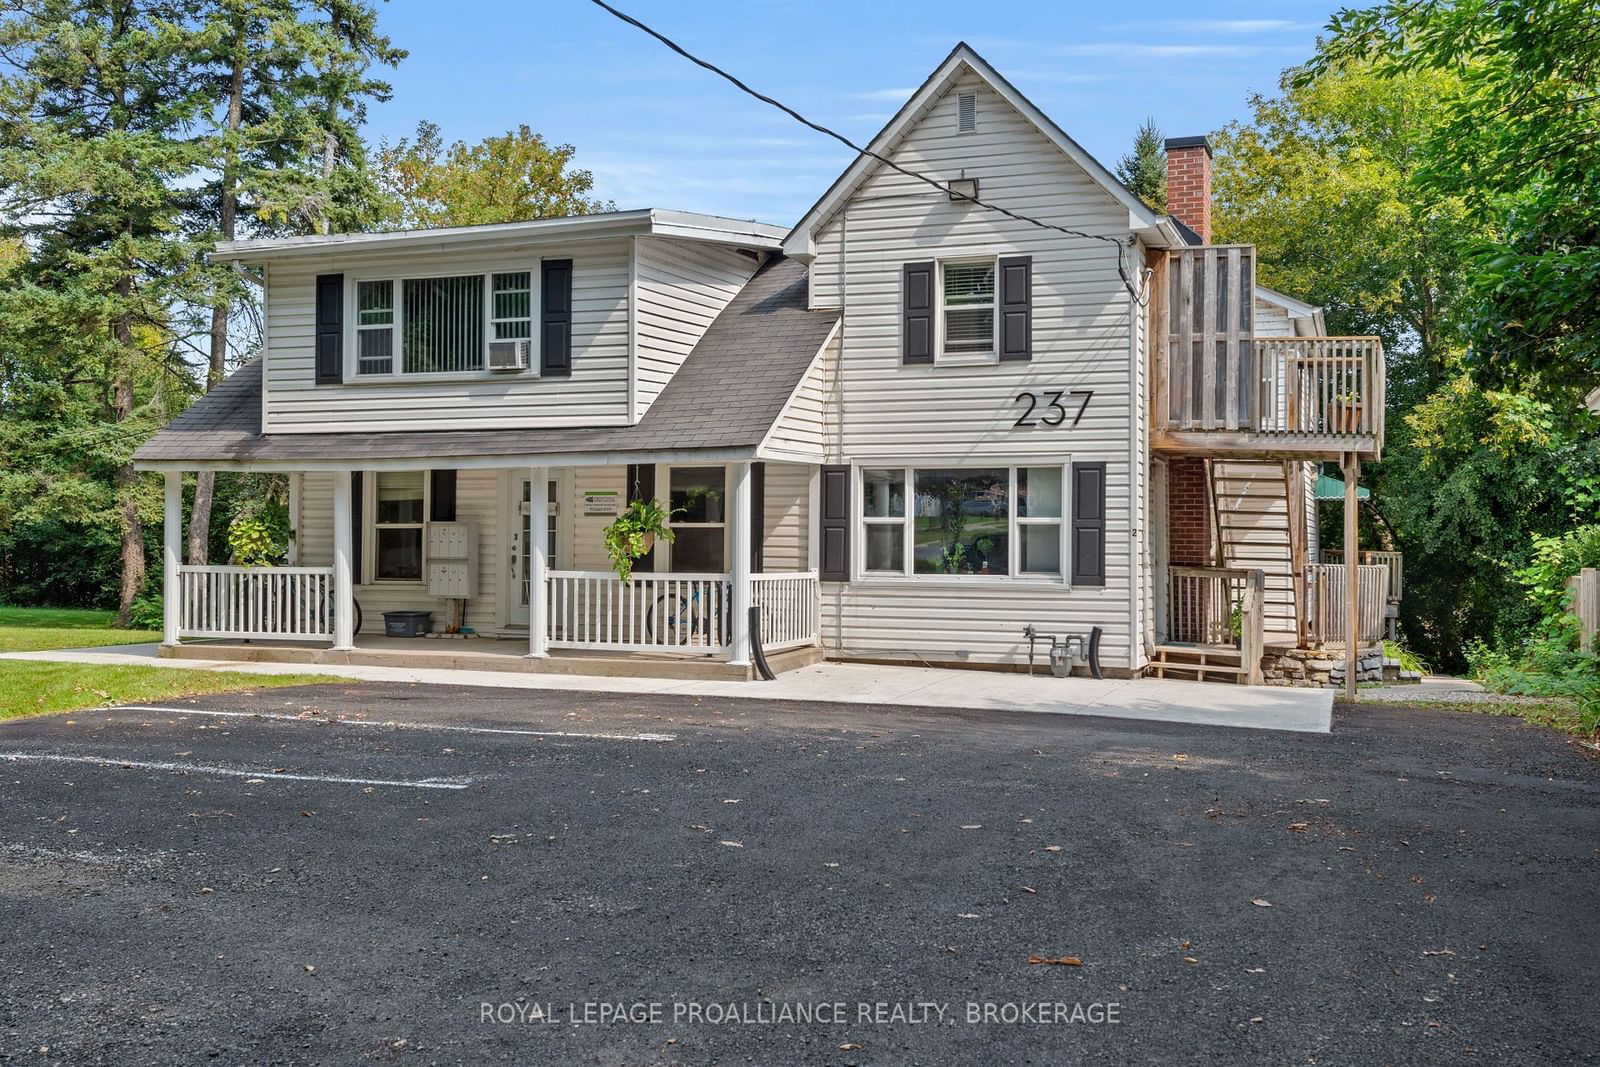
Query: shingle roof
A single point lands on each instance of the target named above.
(726, 395)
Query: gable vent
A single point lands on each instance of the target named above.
(966, 112)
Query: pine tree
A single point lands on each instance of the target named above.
(98, 107)
(289, 88)
(1144, 170)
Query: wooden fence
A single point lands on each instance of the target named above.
(1330, 603)
(1585, 589)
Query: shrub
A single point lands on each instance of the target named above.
(1555, 559)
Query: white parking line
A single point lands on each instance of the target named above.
(231, 772)
(394, 725)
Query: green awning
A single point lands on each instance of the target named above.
(1331, 488)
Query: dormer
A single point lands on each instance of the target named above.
(565, 322)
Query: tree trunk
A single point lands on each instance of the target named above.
(133, 565)
(206, 481)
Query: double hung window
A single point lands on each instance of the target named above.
(399, 499)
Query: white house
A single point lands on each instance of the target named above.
(905, 429)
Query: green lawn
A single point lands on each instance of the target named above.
(34, 629)
(30, 687)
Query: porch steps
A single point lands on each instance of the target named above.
(1199, 663)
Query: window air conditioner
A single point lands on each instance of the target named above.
(508, 355)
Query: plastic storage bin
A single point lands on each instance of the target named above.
(406, 623)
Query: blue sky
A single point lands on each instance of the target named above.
(660, 132)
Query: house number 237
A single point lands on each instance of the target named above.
(1046, 409)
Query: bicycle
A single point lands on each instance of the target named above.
(688, 616)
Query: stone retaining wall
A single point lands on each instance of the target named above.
(1319, 668)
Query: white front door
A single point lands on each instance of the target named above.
(517, 613)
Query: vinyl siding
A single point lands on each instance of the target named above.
(945, 414)
(680, 287)
(1255, 505)
(803, 427)
(786, 517)
(595, 395)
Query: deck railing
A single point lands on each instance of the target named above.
(652, 613)
(1395, 561)
(1329, 603)
(260, 603)
(1326, 386)
(790, 608)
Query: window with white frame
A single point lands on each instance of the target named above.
(962, 521)
(511, 314)
(443, 325)
(375, 327)
(883, 512)
(399, 506)
(697, 499)
(967, 306)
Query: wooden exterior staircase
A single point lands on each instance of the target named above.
(1259, 518)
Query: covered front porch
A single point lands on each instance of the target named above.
(508, 566)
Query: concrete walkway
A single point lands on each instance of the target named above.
(1192, 703)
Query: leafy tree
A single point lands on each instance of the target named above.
(1320, 180)
(510, 178)
(1144, 169)
(98, 101)
(1515, 143)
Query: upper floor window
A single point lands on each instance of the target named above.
(967, 309)
(443, 324)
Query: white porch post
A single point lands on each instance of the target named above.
(171, 548)
(739, 506)
(344, 593)
(538, 566)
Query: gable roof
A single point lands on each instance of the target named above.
(961, 59)
(724, 399)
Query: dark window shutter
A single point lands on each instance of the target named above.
(555, 319)
(833, 524)
(758, 517)
(442, 496)
(358, 537)
(330, 329)
(642, 486)
(916, 312)
(1016, 308)
(1088, 524)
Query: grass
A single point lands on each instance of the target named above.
(37, 629)
(31, 687)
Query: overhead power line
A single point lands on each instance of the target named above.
(864, 151)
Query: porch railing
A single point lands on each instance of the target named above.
(1395, 561)
(790, 608)
(1329, 601)
(652, 613)
(263, 603)
(1203, 604)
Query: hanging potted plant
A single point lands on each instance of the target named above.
(632, 535)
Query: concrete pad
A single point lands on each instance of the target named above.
(1192, 703)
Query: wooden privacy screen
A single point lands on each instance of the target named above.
(1209, 361)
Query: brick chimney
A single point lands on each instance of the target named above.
(1189, 183)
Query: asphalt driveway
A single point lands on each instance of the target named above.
(557, 877)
